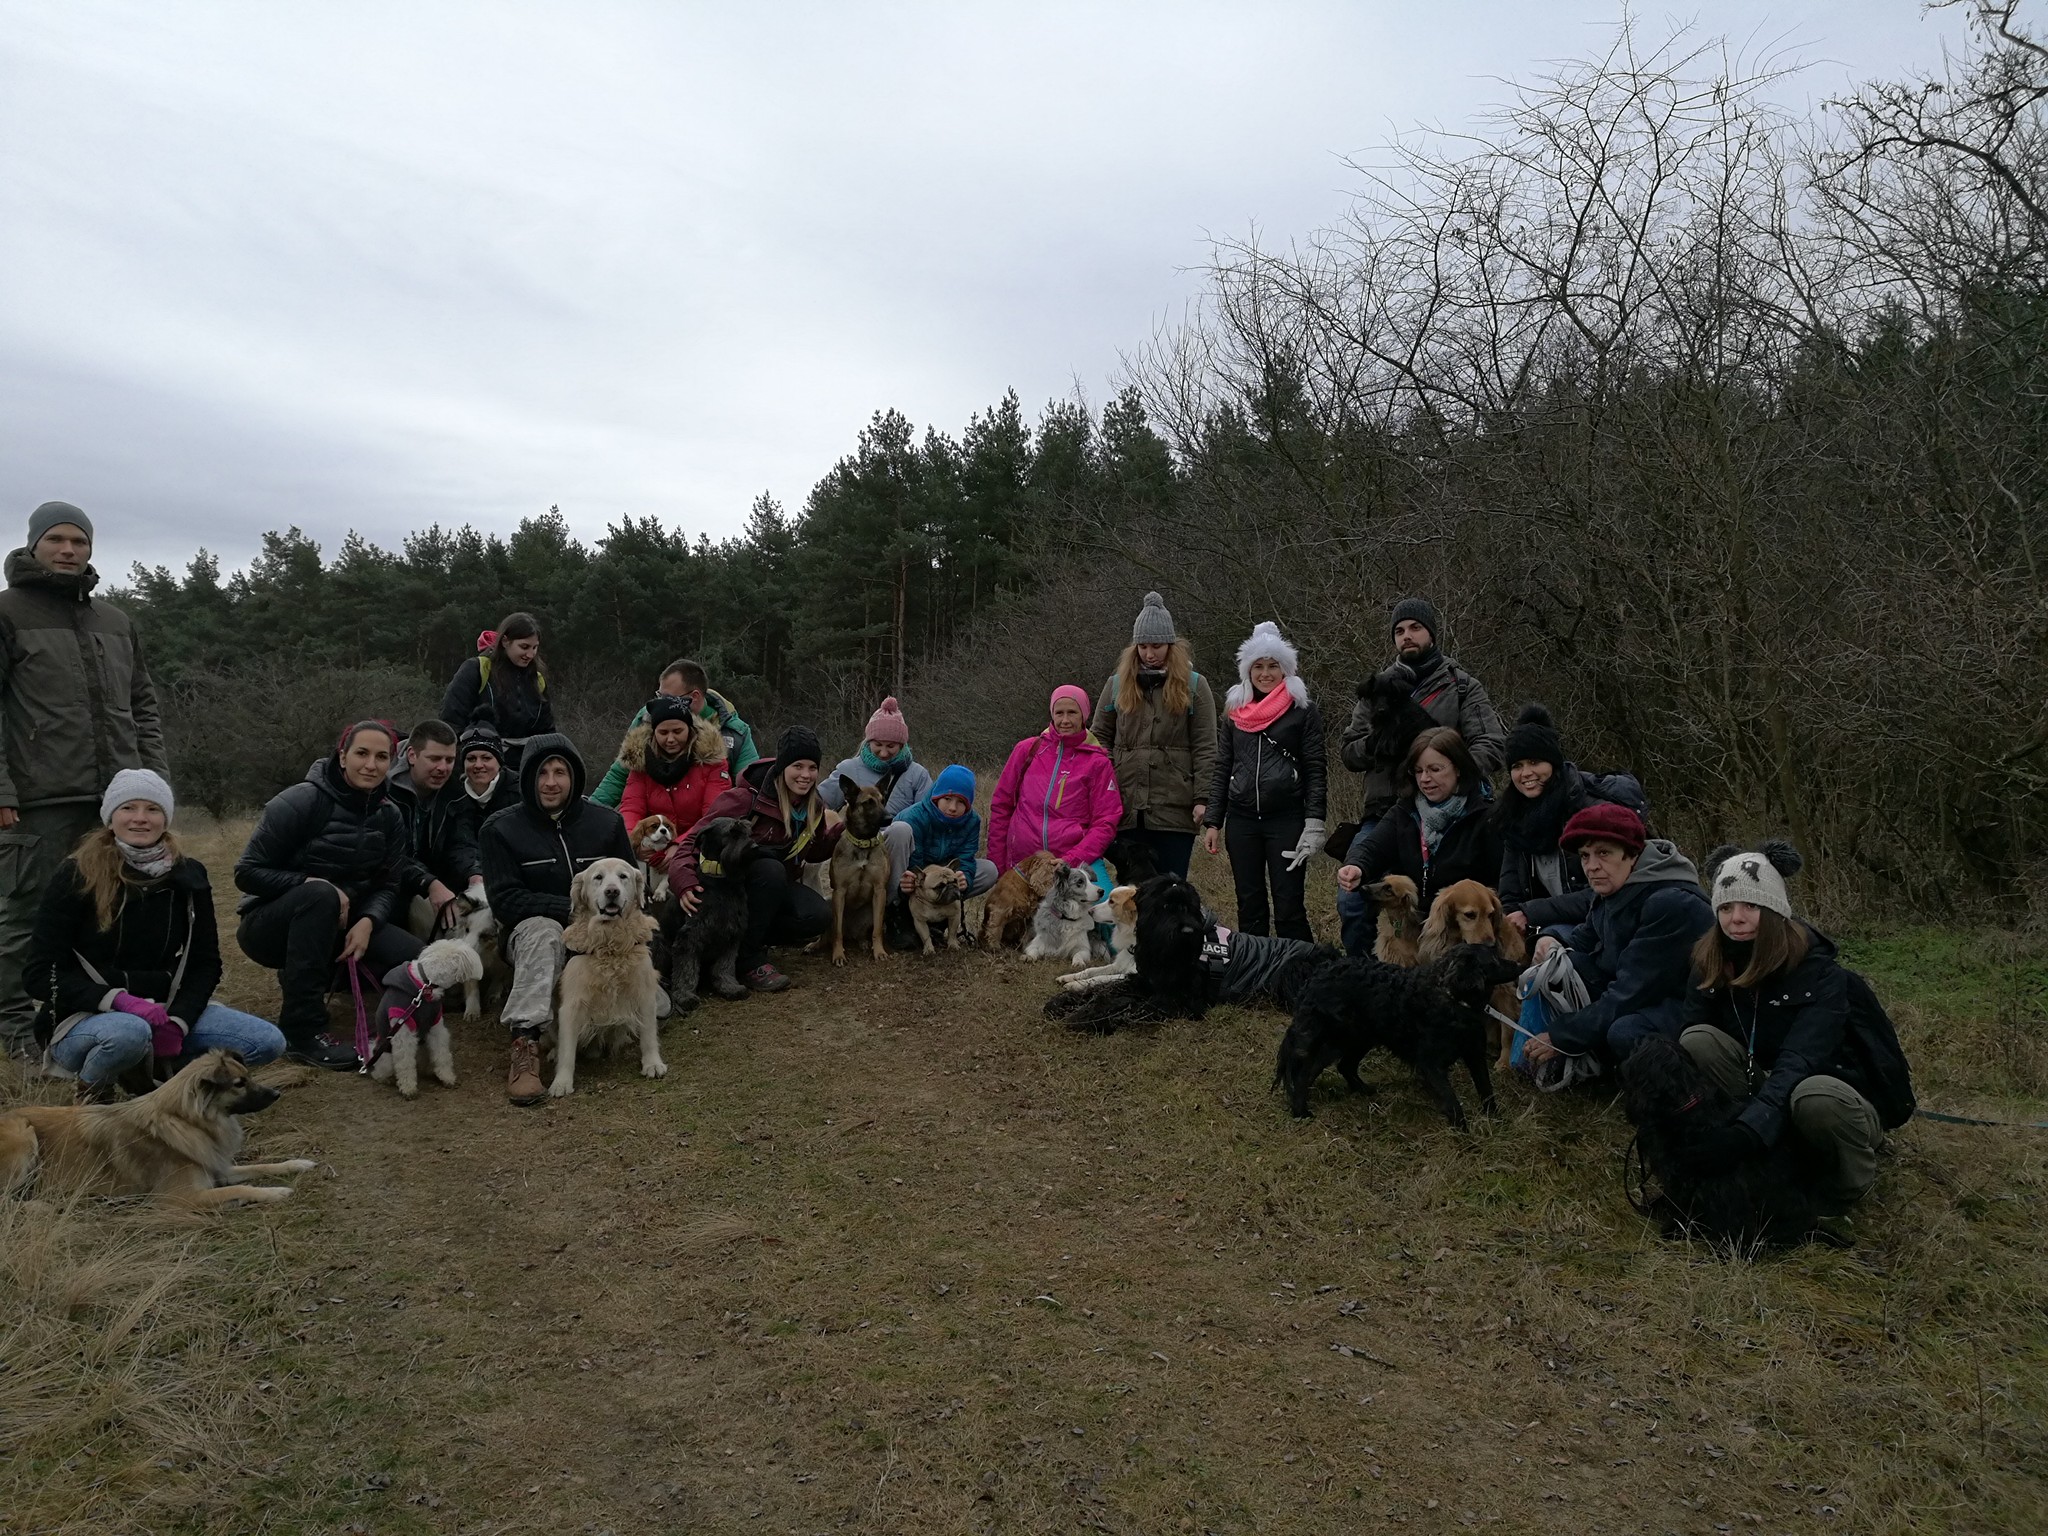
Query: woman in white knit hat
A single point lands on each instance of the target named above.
(1769, 1019)
(1157, 717)
(125, 954)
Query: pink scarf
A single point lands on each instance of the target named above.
(1260, 713)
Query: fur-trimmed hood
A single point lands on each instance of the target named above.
(1266, 640)
(707, 744)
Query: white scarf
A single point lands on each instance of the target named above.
(485, 797)
(152, 863)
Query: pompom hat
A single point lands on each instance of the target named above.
(1266, 641)
(887, 724)
(1154, 625)
(1755, 876)
(1534, 739)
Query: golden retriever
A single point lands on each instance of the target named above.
(1006, 915)
(1470, 913)
(1400, 920)
(610, 991)
(177, 1142)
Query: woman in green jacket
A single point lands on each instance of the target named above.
(1157, 718)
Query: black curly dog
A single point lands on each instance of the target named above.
(709, 939)
(1766, 1198)
(1429, 1016)
(1184, 967)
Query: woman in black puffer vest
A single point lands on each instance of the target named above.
(325, 876)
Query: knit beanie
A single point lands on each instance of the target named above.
(664, 707)
(1266, 641)
(798, 744)
(1534, 739)
(1078, 696)
(481, 738)
(954, 779)
(1756, 876)
(1154, 625)
(1606, 822)
(1423, 612)
(136, 784)
(53, 513)
(887, 724)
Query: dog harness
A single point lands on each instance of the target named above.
(421, 1011)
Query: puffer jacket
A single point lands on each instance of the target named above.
(323, 828)
(1794, 1026)
(1450, 696)
(1055, 795)
(76, 702)
(740, 751)
(684, 802)
(532, 856)
(164, 945)
(909, 784)
(935, 838)
(1164, 762)
(514, 702)
(1634, 950)
(440, 828)
(753, 800)
(1468, 850)
(1279, 772)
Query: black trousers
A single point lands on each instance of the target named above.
(780, 910)
(1258, 849)
(299, 936)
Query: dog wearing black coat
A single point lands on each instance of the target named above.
(1185, 964)
(709, 939)
(1430, 1017)
(1767, 1198)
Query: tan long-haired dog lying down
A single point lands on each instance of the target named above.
(1470, 913)
(609, 987)
(177, 1142)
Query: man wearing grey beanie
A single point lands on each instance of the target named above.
(76, 707)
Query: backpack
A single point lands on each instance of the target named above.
(483, 676)
(1618, 789)
(1872, 1044)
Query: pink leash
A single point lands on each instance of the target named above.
(355, 987)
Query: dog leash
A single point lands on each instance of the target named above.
(355, 986)
(2011, 1125)
(1515, 1024)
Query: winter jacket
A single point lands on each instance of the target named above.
(754, 801)
(515, 703)
(532, 856)
(1055, 795)
(684, 802)
(1529, 831)
(324, 828)
(1450, 696)
(76, 702)
(909, 785)
(1279, 772)
(441, 830)
(1794, 1026)
(1164, 762)
(934, 839)
(1469, 849)
(1634, 949)
(740, 751)
(163, 945)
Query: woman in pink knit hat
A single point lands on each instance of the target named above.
(1057, 794)
(884, 760)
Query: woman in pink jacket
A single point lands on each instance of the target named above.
(1058, 793)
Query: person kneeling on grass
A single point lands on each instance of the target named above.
(532, 855)
(939, 827)
(1771, 1020)
(777, 801)
(125, 955)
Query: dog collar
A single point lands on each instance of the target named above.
(710, 867)
(864, 843)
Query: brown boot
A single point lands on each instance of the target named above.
(522, 1083)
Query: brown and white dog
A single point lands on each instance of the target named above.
(177, 1142)
(1006, 915)
(1399, 925)
(610, 992)
(1470, 913)
(651, 837)
(1120, 910)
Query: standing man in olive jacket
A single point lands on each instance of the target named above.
(76, 706)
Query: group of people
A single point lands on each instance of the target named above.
(109, 955)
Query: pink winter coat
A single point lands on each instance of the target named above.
(1058, 795)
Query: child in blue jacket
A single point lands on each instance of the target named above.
(939, 827)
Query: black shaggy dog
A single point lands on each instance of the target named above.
(1429, 1016)
(1132, 858)
(1765, 1199)
(1186, 965)
(709, 940)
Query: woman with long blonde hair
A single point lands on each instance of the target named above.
(125, 953)
(1156, 717)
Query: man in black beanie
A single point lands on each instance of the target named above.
(76, 707)
(1445, 694)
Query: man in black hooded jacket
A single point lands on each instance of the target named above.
(532, 854)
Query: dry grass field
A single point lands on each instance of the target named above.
(891, 1253)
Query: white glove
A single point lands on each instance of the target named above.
(1312, 838)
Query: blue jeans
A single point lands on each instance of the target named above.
(103, 1046)
(1354, 912)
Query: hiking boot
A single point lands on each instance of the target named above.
(522, 1082)
(765, 978)
(323, 1051)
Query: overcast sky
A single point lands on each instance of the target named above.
(373, 266)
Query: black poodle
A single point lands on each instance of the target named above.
(710, 938)
(1765, 1197)
(1429, 1016)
